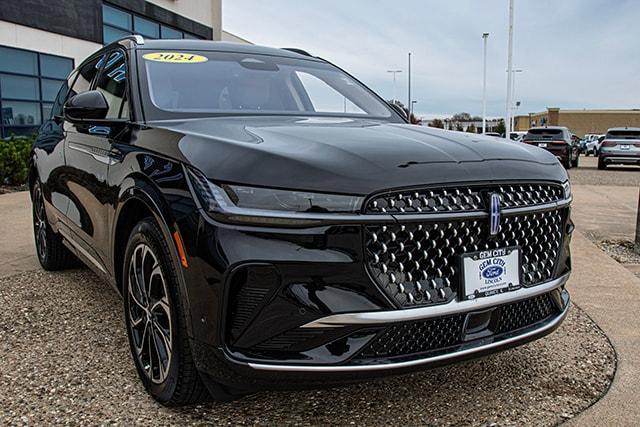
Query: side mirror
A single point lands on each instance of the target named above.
(86, 106)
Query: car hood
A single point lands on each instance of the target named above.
(349, 156)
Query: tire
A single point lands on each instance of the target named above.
(51, 252)
(152, 303)
(576, 161)
(567, 162)
(601, 164)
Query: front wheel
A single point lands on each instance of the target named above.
(567, 162)
(576, 161)
(156, 321)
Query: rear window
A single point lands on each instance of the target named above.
(544, 134)
(623, 134)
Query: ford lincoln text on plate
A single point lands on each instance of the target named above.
(272, 223)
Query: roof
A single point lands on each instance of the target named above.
(623, 128)
(217, 46)
(550, 127)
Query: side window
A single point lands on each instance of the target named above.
(86, 75)
(324, 98)
(112, 82)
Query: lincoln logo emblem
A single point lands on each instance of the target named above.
(494, 217)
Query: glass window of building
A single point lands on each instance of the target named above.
(118, 23)
(29, 83)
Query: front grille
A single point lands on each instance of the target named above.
(439, 334)
(416, 263)
(463, 199)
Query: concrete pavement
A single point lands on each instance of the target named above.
(17, 250)
(610, 295)
(605, 212)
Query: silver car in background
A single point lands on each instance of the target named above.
(620, 146)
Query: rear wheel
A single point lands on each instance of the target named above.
(52, 254)
(601, 164)
(576, 161)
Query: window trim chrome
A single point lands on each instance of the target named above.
(422, 313)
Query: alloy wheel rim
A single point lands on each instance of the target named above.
(149, 314)
(40, 224)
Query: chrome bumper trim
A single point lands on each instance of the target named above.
(443, 357)
(454, 307)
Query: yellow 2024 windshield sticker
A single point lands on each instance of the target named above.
(175, 57)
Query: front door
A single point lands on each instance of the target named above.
(89, 154)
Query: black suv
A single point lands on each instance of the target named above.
(558, 140)
(272, 223)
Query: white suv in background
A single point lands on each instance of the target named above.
(620, 146)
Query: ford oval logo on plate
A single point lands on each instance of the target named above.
(492, 272)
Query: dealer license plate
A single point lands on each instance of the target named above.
(490, 272)
(542, 144)
(625, 147)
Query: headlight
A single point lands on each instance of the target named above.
(566, 186)
(256, 202)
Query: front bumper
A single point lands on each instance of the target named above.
(484, 345)
(297, 307)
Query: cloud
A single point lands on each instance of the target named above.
(574, 53)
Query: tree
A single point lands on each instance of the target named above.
(437, 123)
(471, 128)
(414, 120)
(459, 127)
(461, 117)
(501, 129)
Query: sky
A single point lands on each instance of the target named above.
(573, 53)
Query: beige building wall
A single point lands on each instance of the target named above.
(207, 12)
(581, 122)
(19, 36)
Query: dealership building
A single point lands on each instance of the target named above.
(580, 122)
(41, 41)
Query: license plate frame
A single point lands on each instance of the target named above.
(478, 282)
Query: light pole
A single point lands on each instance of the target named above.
(509, 69)
(485, 36)
(513, 93)
(394, 72)
(409, 105)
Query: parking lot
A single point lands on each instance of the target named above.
(588, 174)
(65, 356)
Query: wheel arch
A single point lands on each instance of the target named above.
(139, 198)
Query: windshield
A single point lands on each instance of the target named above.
(239, 83)
(623, 134)
(544, 133)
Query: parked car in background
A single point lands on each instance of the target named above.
(598, 143)
(517, 135)
(494, 134)
(263, 235)
(557, 140)
(589, 144)
(620, 146)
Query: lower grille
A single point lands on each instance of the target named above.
(438, 334)
(417, 263)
